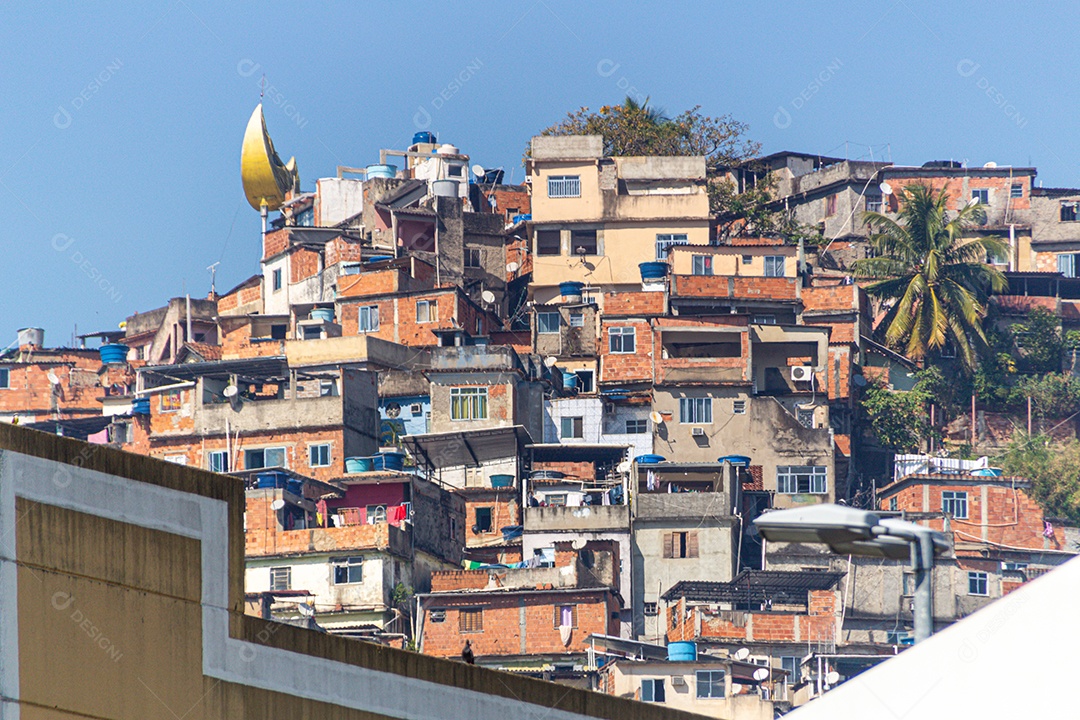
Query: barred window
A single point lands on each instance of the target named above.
(802, 479)
(468, 403)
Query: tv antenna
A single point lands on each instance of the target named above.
(212, 269)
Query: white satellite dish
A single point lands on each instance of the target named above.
(742, 653)
(230, 391)
(736, 688)
(478, 170)
(578, 543)
(656, 417)
(550, 361)
(833, 677)
(990, 165)
(277, 504)
(53, 379)
(761, 674)
(487, 296)
(512, 267)
(886, 188)
(623, 467)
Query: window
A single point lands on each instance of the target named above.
(577, 320)
(738, 407)
(5, 378)
(468, 403)
(702, 265)
(564, 186)
(471, 620)
(637, 427)
(281, 578)
(805, 416)
(695, 411)
(954, 503)
(437, 615)
(802, 479)
(1016, 190)
(454, 170)
(830, 205)
(573, 428)
(583, 240)
(483, 520)
(764, 319)
(774, 266)
(277, 279)
(171, 401)
(416, 409)
(367, 319)
(650, 609)
(652, 690)
(351, 268)
(747, 259)
(217, 461)
(1067, 264)
(1068, 211)
(681, 545)
(585, 380)
(893, 505)
(473, 258)
(547, 323)
(666, 240)
(427, 311)
(710, 683)
(622, 339)
(981, 196)
(279, 332)
(792, 664)
(1014, 566)
(348, 570)
(264, 457)
(319, 455)
(873, 203)
(977, 583)
(565, 616)
(548, 242)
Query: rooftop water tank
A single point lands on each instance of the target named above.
(381, 171)
(682, 651)
(444, 188)
(571, 290)
(447, 149)
(653, 270)
(423, 137)
(32, 336)
(113, 353)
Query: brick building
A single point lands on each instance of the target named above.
(38, 383)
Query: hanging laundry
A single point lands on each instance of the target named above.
(99, 438)
(396, 515)
(650, 480)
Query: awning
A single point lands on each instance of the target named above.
(756, 586)
(468, 448)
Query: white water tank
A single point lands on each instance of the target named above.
(447, 149)
(444, 188)
(31, 336)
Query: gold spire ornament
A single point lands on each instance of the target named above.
(266, 179)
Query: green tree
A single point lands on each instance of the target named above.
(754, 212)
(1053, 469)
(1040, 341)
(634, 128)
(1053, 395)
(897, 418)
(932, 275)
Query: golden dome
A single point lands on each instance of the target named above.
(266, 179)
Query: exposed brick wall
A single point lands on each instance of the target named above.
(34, 397)
(835, 297)
(627, 367)
(505, 510)
(634, 304)
(573, 469)
(275, 241)
(303, 264)
(342, 250)
(720, 286)
(818, 623)
(397, 316)
(502, 628)
(242, 296)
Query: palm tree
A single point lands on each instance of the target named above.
(932, 274)
(655, 115)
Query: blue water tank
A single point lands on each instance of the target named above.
(649, 459)
(324, 314)
(423, 137)
(682, 651)
(381, 171)
(113, 353)
(570, 381)
(571, 290)
(141, 406)
(653, 270)
(359, 464)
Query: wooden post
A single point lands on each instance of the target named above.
(974, 437)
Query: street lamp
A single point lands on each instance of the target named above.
(848, 531)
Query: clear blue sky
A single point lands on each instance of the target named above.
(120, 128)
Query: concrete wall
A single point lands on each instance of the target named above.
(624, 680)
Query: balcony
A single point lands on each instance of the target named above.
(585, 518)
(379, 536)
(716, 370)
(680, 506)
(269, 415)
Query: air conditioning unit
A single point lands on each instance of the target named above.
(678, 681)
(698, 432)
(802, 373)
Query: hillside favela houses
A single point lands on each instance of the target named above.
(531, 425)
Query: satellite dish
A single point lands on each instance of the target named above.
(656, 417)
(578, 543)
(277, 504)
(512, 267)
(991, 165)
(230, 391)
(886, 188)
(833, 677)
(736, 688)
(742, 653)
(971, 202)
(550, 361)
(53, 379)
(761, 674)
(623, 467)
(487, 296)
(478, 170)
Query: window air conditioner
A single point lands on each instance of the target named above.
(698, 432)
(802, 373)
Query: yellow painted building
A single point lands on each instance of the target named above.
(596, 218)
(121, 598)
